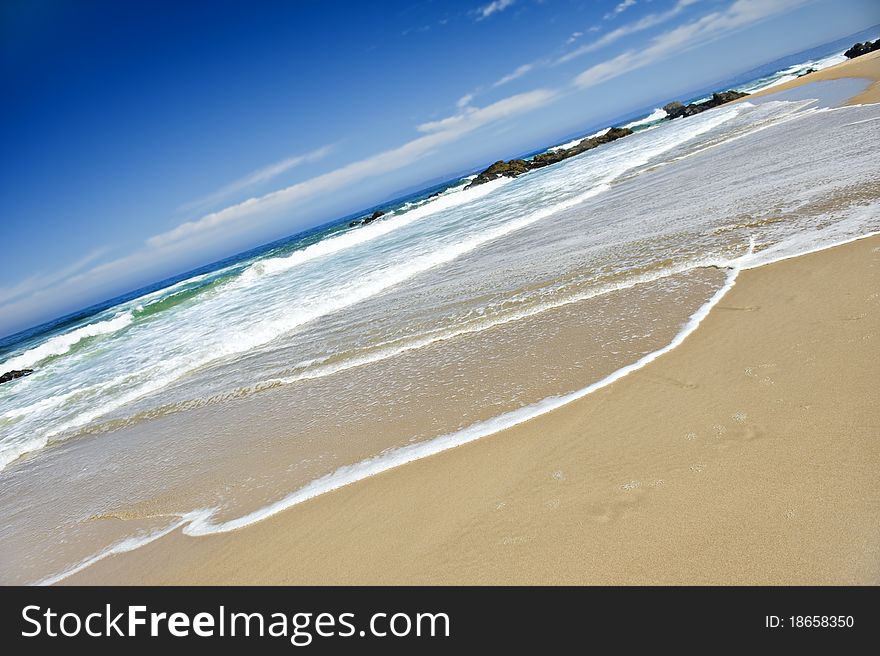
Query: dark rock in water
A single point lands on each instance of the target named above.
(807, 72)
(500, 169)
(15, 373)
(673, 109)
(724, 97)
(545, 159)
(860, 49)
(367, 219)
(375, 215)
(515, 167)
(678, 110)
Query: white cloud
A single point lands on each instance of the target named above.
(644, 23)
(493, 7)
(41, 281)
(710, 27)
(465, 100)
(518, 73)
(436, 133)
(471, 118)
(619, 9)
(260, 176)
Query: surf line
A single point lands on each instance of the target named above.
(202, 524)
(198, 522)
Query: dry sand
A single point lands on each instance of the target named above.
(747, 455)
(866, 67)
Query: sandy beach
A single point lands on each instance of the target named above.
(747, 455)
(865, 67)
(546, 379)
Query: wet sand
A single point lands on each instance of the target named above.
(747, 455)
(865, 67)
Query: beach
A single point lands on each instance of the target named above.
(866, 67)
(650, 363)
(747, 455)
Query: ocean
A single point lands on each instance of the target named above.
(214, 399)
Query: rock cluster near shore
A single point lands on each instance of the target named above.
(367, 219)
(678, 110)
(15, 373)
(514, 167)
(860, 49)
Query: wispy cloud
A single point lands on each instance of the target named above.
(494, 7)
(710, 27)
(416, 30)
(435, 134)
(471, 118)
(465, 100)
(256, 178)
(644, 23)
(518, 73)
(42, 281)
(619, 9)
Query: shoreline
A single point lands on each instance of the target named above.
(865, 67)
(362, 474)
(862, 67)
(436, 535)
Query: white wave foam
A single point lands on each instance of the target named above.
(440, 336)
(11, 451)
(39, 406)
(791, 73)
(260, 334)
(375, 230)
(198, 522)
(123, 546)
(658, 114)
(312, 372)
(846, 231)
(392, 459)
(571, 144)
(61, 344)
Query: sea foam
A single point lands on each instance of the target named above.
(61, 344)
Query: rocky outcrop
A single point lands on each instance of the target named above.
(860, 49)
(807, 72)
(678, 110)
(545, 159)
(375, 215)
(15, 373)
(367, 219)
(510, 169)
(515, 167)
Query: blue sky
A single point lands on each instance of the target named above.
(142, 139)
